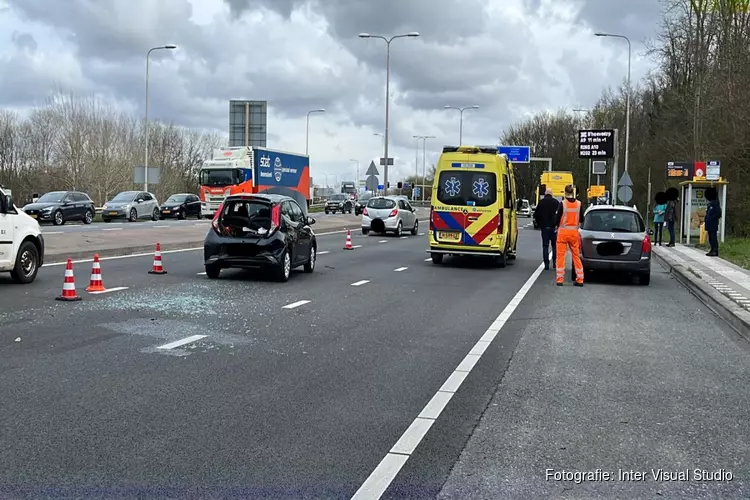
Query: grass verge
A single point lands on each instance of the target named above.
(735, 250)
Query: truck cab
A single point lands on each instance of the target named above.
(21, 242)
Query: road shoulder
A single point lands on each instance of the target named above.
(573, 399)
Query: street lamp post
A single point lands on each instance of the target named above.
(387, 41)
(424, 158)
(145, 126)
(307, 128)
(461, 123)
(627, 105)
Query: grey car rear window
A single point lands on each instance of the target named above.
(615, 221)
(381, 203)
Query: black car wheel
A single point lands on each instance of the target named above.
(213, 271)
(310, 266)
(399, 228)
(133, 215)
(284, 268)
(58, 218)
(326, 210)
(155, 215)
(437, 258)
(182, 215)
(27, 264)
(88, 217)
(415, 229)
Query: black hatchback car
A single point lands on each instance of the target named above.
(60, 207)
(181, 206)
(260, 231)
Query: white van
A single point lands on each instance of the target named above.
(21, 242)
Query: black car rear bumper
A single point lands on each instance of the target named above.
(234, 252)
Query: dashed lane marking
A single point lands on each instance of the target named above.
(45, 233)
(181, 342)
(167, 225)
(360, 283)
(109, 290)
(387, 470)
(112, 229)
(357, 246)
(296, 304)
(428, 259)
(421, 234)
(403, 237)
(324, 252)
(202, 274)
(383, 241)
(399, 269)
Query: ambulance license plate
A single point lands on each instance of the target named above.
(449, 236)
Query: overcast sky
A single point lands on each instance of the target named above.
(510, 57)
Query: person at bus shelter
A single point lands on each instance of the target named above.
(711, 221)
(569, 215)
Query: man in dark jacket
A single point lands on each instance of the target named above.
(711, 222)
(545, 217)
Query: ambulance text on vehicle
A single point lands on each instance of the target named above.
(236, 170)
(474, 209)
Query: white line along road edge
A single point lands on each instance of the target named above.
(181, 342)
(388, 468)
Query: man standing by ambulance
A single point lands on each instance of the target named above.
(545, 217)
(569, 215)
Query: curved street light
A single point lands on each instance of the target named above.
(461, 123)
(170, 46)
(412, 34)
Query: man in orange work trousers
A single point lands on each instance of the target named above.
(568, 222)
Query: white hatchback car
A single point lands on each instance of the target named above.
(384, 214)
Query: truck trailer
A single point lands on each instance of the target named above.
(235, 170)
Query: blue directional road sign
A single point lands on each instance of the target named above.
(381, 187)
(406, 185)
(416, 192)
(516, 154)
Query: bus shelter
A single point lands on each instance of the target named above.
(693, 207)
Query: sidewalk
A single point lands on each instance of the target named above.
(614, 378)
(721, 285)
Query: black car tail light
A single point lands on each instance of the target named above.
(275, 219)
(215, 220)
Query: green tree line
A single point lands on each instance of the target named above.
(694, 106)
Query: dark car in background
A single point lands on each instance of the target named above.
(181, 206)
(361, 203)
(59, 207)
(339, 203)
(268, 231)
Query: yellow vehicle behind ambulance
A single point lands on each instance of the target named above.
(473, 210)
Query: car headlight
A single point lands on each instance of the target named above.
(47, 209)
(104, 207)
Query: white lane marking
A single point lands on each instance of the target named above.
(357, 246)
(202, 274)
(296, 304)
(178, 343)
(360, 283)
(383, 241)
(428, 259)
(387, 470)
(112, 229)
(421, 234)
(53, 232)
(108, 290)
(403, 237)
(399, 269)
(166, 225)
(151, 254)
(324, 252)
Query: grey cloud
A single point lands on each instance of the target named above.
(636, 19)
(24, 41)
(445, 20)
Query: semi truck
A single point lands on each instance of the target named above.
(250, 169)
(555, 180)
(349, 187)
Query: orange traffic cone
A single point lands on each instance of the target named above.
(157, 267)
(348, 245)
(95, 283)
(69, 285)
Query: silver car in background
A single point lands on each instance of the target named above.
(131, 206)
(385, 214)
(615, 238)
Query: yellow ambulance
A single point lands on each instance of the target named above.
(474, 205)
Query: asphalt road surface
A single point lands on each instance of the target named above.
(301, 389)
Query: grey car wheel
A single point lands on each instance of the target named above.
(399, 228)
(88, 218)
(310, 266)
(133, 215)
(285, 267)
(27, 264)
(58, 220)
